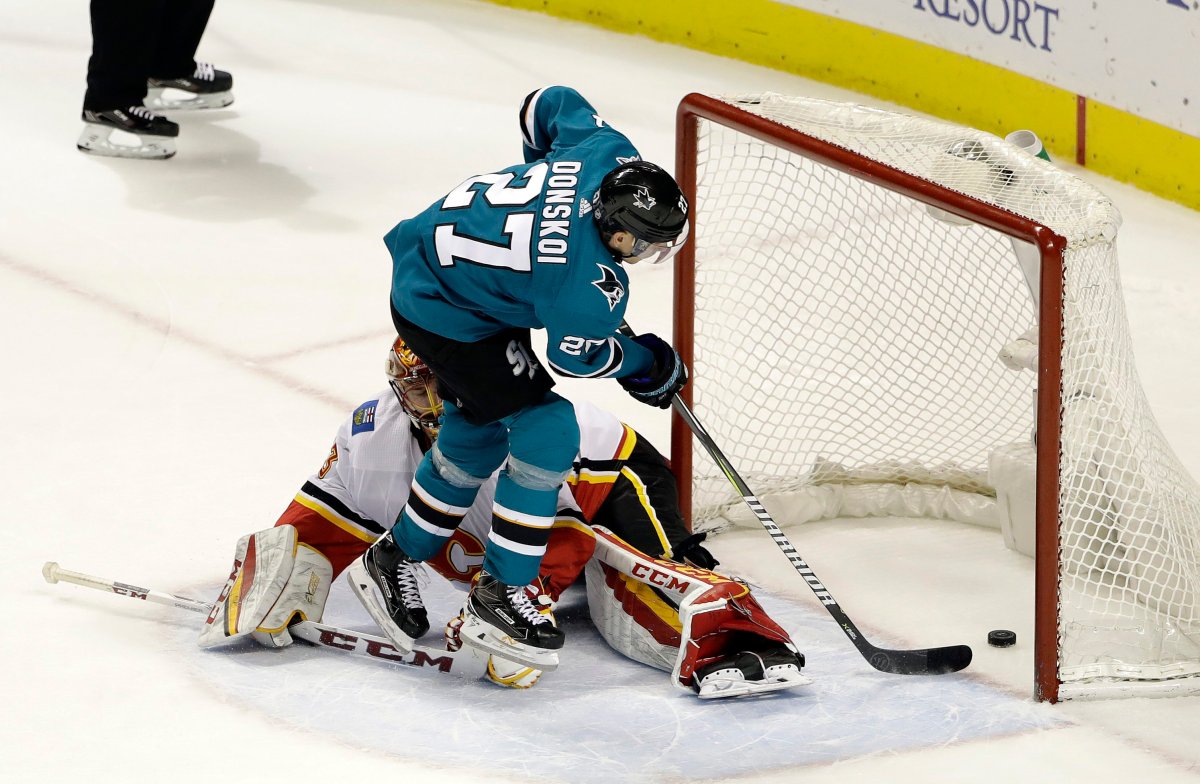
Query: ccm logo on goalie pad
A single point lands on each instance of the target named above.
(216, 607)
(653, 576)
(671, 580)
(383, 650)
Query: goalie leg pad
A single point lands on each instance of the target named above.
(262, 563)
(275, 580)
(302, 599)
(676, 617)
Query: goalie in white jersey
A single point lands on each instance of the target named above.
(618, 516)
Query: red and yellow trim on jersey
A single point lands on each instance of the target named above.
(335, 519)
(643, 497)
(326, 530)
(564, 520)
(592, 480)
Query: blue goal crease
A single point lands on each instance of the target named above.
(601, 717)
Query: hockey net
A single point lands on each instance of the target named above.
(860, 269)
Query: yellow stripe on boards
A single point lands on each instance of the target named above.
(906, 72)
(1151, 156)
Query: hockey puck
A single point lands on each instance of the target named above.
(1002, 638)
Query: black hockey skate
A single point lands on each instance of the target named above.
(502, 620)
(206, 88)
(129, 132)
(385, 580)
(750, 672)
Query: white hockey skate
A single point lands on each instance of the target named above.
(750, 673)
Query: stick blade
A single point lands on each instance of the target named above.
(952, 658)
(926, 661)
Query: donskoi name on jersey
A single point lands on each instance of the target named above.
(555, 227)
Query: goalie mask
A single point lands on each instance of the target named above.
(642, 199)
(415, 388)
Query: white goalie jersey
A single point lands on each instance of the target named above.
(363, 484)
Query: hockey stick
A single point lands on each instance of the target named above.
(922, 661)
(462, 662)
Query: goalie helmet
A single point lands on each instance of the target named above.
(415, 387)
(642, 199)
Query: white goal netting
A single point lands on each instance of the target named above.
(869, 325)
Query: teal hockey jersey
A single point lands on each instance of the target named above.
(519, 248)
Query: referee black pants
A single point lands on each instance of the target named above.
(133, 40)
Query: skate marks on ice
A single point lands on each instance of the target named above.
(601, 718)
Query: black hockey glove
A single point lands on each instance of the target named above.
(691, 551)
(665, 378)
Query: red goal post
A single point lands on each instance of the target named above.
(850, 230)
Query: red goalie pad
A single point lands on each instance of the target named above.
(687, 616)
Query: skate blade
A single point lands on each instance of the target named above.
(368, 595)
(723, 688)
(482, 636)
(171, 99)
(115, 143)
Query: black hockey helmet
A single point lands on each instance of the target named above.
(642, 199)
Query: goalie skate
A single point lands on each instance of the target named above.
(502, 620)
(750, 673)
(133, 132)
(206, 88)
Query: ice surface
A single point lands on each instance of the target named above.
(601, 718)
(182, 338)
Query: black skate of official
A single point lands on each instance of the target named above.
(206, 88)
(385, 581)
(502, 620)
(750, 672)
(127, 132)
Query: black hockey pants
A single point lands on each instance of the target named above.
(133, 40)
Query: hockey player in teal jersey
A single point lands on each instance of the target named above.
(539, 245)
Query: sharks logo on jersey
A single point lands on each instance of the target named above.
(608, 284)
